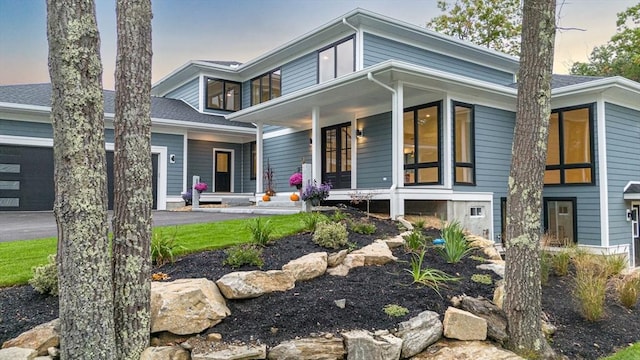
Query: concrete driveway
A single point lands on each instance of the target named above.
(39, 224)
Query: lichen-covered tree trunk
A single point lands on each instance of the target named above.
(522, 276)
(132, 179)
(84, 263)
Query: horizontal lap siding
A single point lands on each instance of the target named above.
(201, 162)
(285, 154)
(623, 165)
(374, 152)
(188, 92)
(248, 184)
(28, 129)
(300, 73)
(378, 49)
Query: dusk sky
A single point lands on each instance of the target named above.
(241, 30)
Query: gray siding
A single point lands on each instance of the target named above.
(285, 154)
(23, 128)
(188, 92)
(201, 162)
(623, 165)
(300, 73)
(246, 94)
(378, 49)
(374, 152)
(248, 184)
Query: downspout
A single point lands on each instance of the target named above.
(359, 45)
(344, 21)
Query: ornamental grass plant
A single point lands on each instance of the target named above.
(455, 245)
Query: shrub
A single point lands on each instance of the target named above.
(455, 244)
(311, 220)
(261, 231)
(482, 279)
(615, 264)
(628, 288)
(246, 254)
(338, 216)
(163, 247)
(395, 310)
(545, 267)
(419, 223)
(45, 277)
(363, 227)
(560, 262)
(415, 240)
(331, 235)
(430, 277)
(590, 286)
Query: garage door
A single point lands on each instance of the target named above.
(26, 178)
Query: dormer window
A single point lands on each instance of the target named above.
(223, 95)
(266, 87)
(336, 60)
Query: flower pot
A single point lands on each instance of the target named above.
(299, 186)
(315, 202)
(266, 197)
(294, 197)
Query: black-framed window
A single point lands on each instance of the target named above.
(570, 151)
(464, 154)
(253, 161)
(266, 87)
(422, 147)
(223, 95)
(336, 60)
(561, 219)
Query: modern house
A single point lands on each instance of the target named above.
(420, 121)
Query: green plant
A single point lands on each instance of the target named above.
(615, 264)
(629, 353)
(164, 246)
(478, 258)
(246, 254)
(560, 262)
(420, 223)
(590, 286)
(311, 220)
(363, 227)
(628, 288)
(45, 277)
(415, 240)
(331, 235)
(455, 244)
(338, 216)
(395, 310)
(545, 267)
(482, 279)
(430, 277)
(261, 230)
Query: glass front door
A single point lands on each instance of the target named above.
(336, 162)
(222, 171)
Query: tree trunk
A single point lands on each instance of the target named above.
(84, 263)
(522, 276)
(132, 179)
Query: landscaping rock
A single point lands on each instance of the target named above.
(492, 253)
(377, 253)
(340, 270)
(479, 242)
(354, 260)
(320, 348)
(165, 353)
(458, 350)
(498, 294)
(16, 353)
(463, 325)
(495, 317)
(419, 332)
(497, 267)
(235, 352)
(186, 306)
(40, 338)
(251, 284)
(342, 303)
(335, 259)
(394, 242)
(363, 345)
(307, 267)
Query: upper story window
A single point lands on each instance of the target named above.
(336, 60)
(223, 95)
(266, 87)
(422, 145)
(464, 148)
(570, 148)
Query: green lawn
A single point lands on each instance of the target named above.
(630, 353)
(17, 258)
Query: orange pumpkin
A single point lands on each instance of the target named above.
(266, 197)
(294, 197)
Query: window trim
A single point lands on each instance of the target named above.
(472, 144)
(335, 57)
(224, 90)
(545, 209)
(259, 77)
(416, 166)
(562, 166)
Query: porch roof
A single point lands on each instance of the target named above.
(632, 191)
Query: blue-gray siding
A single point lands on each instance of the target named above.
(246, 94)
(201, 162)
(374, 152)
(286, 154)
(188, 92)
(300, 73)
(23, 128)
(378, 49)
(248, 184)
(623, 165)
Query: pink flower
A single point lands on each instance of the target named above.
(295, 179)
(201, 186)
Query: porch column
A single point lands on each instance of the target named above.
(397, 144)
(259, 160)
(316, 148)
(354, 153)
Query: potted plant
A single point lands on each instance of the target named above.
(315, 193)
(200, 187)
(268, 177)
(187, 196)
(296, 180)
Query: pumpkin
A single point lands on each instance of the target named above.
(294, 197)
(266, 197)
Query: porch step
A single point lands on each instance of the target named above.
(233, 199)
(279, 201)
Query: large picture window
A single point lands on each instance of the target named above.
(570, 148)
(223, 95)
(422, 145)
(463, 151)
(266, 87)
(560, 220)
(336, 60)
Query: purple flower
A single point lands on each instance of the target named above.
(314, 191)
(295, 179)
(201, 186)
(186, 195)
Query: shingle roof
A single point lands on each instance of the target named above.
(559, 80)
(161, 108)
(633, 189)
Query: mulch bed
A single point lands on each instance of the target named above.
(310, 308)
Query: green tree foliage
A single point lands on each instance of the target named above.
(621, 55)
(478, 21)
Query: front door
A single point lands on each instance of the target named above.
(222, 172)
(336, 162)
(635, 231)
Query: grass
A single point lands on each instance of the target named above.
(17, 258)
(630, 353)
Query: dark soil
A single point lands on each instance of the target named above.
(310, 308)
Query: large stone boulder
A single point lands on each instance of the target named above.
(497, 266)
(495, 317)
(17, 353)
(376, 253)
(463, 325)
(307, 267)
(40, 338)
(419, 332)
(186, 306)
(335, 259)
(234, 352)
(165, 353)
(251, 284)
(364, 345)
(458, 350)
(317, 348)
